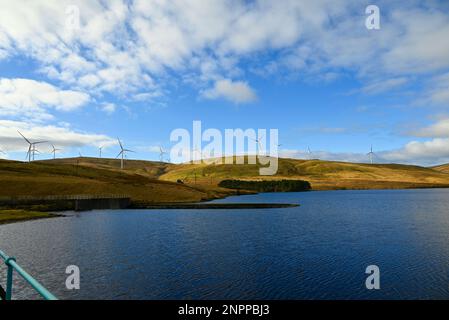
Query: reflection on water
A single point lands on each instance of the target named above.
(316, 251)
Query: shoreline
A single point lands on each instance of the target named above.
(27, 215)
(21, 215)
(214, 206)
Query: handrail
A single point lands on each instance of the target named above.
(12, 265)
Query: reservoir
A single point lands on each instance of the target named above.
(319, 250)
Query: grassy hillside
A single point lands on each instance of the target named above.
(157, 182)
(442, 168)
(321, 174)
(95, 177)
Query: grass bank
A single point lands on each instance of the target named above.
(9, 216)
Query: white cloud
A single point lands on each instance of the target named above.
(235, 91)
(30, 98)
(432, 152)
(145, 41)
(324, 155)
(384, 85)
(61, 136)
(438, 91)
(109, 108)
(438, 129)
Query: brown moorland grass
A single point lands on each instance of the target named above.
(156, 182)
(81, 176)
(323, 175)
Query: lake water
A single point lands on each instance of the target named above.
(319, 250)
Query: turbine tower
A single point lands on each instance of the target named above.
(100, 149)
(54, 151)
(31, 147)
(309, 152)
(122, 153)
(259, 145)
(161, 153)
(371, 155)
(34, 151)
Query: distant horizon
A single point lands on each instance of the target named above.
(190, 162)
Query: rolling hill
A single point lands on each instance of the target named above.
(323, 175)
(442, 168)
(163, 182)
(94, 177)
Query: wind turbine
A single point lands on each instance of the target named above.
(31, 148)
(259, 145)
(100, 149)
(54, 151)
(122, 152)
(34, 151)
(371, 154)
(2, 152)
(161, 153)
(309, 152)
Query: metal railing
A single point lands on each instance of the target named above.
(12, 265)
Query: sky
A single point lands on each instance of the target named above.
(82, 73)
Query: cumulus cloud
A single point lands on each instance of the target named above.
(427, 153)
(26, 97)
(61, 136)
(429, 147)
(132, 47)
(235, 91)
(432, 152)
(438, 129)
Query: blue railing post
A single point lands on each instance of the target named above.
(9, 276)
(12, 265)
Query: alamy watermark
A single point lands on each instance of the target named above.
(233, 146)
(373, 280)
(372, 22)
(72, 21)
(72, 282)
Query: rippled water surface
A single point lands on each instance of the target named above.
(319, 250)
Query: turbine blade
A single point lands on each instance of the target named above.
(120, 143)
(24, 137)
(119, 154)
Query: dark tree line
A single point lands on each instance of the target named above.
(267, 185)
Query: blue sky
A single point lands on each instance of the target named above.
(79, 74)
